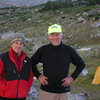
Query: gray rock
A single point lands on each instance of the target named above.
(80, 19)
(84, 49)
(33, 93)
(84, 72)
(89, 52)
(95, 35)
(28, 39)
(9, 35)
(29, 19)
(97, 24)
(61, 12)
(77, 15)
(85, 14)
(36, 46)
(72, 23)
(81, 96)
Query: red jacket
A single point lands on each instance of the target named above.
(17, 88)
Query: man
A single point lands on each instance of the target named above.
(56, 58)
(15, 72)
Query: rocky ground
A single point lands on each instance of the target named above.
(33, 95)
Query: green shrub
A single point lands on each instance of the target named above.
(56, 5)
(92, 2)
(96, 15)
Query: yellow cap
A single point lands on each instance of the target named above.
(54, 28)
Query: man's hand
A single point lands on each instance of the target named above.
(67, 81)
(43, 79)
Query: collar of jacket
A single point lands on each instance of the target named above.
(22, 57)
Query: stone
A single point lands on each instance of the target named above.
(84, 49)
(80, 19)
(33, 93)
(80, 96)
(9, 35)
(84, 72)
(85, 14)
(97, 24)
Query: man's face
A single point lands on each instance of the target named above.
(55, 38)
(17, 47)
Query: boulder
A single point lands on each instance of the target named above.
(9, 35)
(97, 24)
(80, 19)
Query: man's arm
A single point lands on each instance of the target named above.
(80, 65)
(35, 59)
(78, 62)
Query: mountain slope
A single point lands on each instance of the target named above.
(6, 3)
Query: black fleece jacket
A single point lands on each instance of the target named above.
(56, 61)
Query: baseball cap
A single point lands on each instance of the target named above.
(54, 28)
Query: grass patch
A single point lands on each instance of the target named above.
(4, 46)
(83, 83)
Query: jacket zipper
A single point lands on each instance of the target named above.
(18, 76)
(17, 85)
